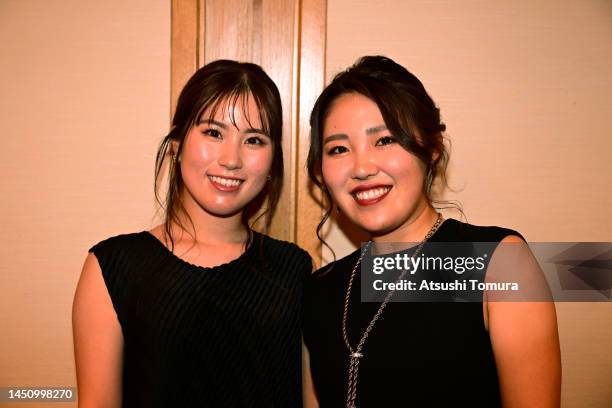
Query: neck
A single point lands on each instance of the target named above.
(209, 228)
(413, 230)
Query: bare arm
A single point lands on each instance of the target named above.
(98, 341)
(525, 342)
(308, 392)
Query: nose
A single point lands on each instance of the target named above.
(230, 155)
(364, 166)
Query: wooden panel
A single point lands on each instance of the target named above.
(185, 43)
(311, 83)
(233, 30)
(278, 60)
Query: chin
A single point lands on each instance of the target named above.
(378, 231)
(372, 227)
(222, 210)
(223, 213)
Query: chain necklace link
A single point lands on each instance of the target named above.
(356, 354)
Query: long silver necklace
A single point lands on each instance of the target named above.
(355, 355)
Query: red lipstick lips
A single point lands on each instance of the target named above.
(370, 194)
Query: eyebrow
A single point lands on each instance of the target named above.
(344, 136)
(337, 136)
(212, 122)
(258, 131)
(375, 129)
(224, 126)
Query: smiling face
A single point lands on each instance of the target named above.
(225, 159)
(374, 181)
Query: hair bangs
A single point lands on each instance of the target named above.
(230, 102)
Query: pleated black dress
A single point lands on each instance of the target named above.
(227, 336)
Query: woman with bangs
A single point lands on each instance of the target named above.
(200, 311)
(377, 149)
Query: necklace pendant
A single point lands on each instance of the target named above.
(356, 355)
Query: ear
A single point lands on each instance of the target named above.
(435, 155)
(174, 145)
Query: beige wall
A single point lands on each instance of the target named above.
(526, 92)
(85, 99)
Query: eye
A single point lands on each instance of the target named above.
(386, 140)
(255, 140)
(212, 133)
(337, 150)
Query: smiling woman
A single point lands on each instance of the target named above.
(201, 310)
(376, 150)
(225, 113)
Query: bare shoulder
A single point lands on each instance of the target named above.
(98, 340)
(92, 307)
(91, 282)
(523, 330)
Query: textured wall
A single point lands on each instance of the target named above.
(85, 100)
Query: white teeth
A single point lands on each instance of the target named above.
(226, 182)
(372, 194)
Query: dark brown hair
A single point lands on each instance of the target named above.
(407, 109)
(219, 85)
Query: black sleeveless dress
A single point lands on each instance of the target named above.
(418, 354)
(227, 336)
